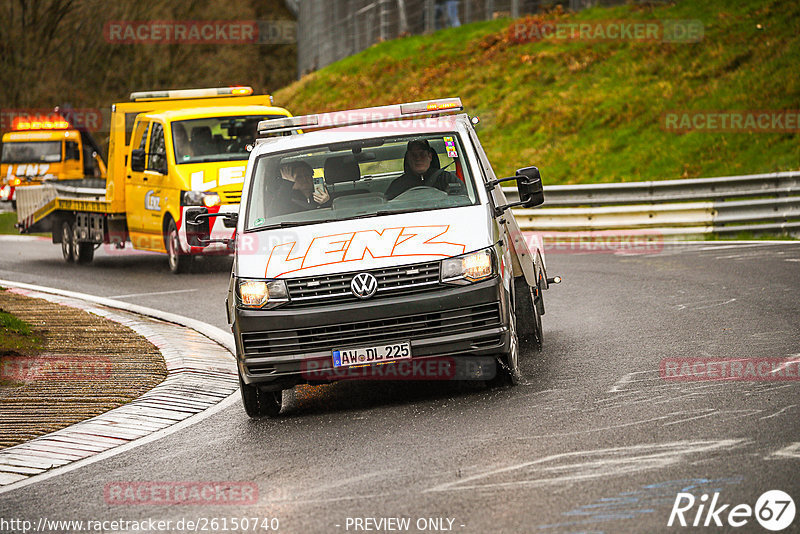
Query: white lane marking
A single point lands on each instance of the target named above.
(711, 411)
(779, 412)
(735, 256)
(694, 306)
(585, 465)
(628, 379)
(791, 451)
(17, 238)
(744, 244)
(792, 259)
(212, 332)
(151, 293)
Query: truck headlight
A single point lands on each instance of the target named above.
(14, 182)
(200, 198)
(469, 268)
(262, 293)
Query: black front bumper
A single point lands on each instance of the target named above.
(279, 348)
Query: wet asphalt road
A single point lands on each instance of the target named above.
(593, 440)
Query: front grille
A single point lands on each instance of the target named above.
(336, 288)
(344, 335)
(231, 197)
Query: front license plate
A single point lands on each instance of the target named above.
(369, 355)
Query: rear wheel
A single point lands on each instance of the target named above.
(82, 253)
(178, 261)
(67, 243)
(259, 403)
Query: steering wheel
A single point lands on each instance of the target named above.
(420, 188)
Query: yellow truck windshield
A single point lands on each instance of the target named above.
(31, 152)
(215, 138)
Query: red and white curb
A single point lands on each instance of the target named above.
(201, 380)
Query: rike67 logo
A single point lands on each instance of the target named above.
(774, 510)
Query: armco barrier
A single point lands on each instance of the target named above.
(758, 203)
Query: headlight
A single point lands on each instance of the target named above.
(469, 268)
(262, 293)
(200, 198)
(14, 182)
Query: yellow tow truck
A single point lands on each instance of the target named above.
(39, 149)
(168, 150)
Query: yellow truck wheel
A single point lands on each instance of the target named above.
(67, 244)
(178, 261)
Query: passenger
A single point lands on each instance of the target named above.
(246, 140)
(421, 165)
(295, 192)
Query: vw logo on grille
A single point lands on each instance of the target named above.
(363, 285)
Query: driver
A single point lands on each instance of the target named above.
(421, 165)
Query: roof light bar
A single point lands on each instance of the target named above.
(192, 93)
(432, 106)
(40, 123)
(362, 116)
(288, 123)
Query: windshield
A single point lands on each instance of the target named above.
(31, 152)
(359, 179)
(216, 138)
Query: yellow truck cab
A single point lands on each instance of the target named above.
(39, 150)
(187, 157)
(168, 150)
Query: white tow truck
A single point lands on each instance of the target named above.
(378, 244)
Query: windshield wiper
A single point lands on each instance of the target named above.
(387, 212)
(289, 224)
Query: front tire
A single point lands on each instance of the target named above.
(528, 314)
(259, 403)
(508, 372)
(178, 261)
(67, 243)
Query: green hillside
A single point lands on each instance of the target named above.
(592, 110)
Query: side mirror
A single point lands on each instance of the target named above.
(137, 160)
(198, 233)
(529, 185)
(230, 220)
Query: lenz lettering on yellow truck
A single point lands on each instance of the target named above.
(377, 244)
(168, 151)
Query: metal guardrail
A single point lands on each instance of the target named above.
(755, 203)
